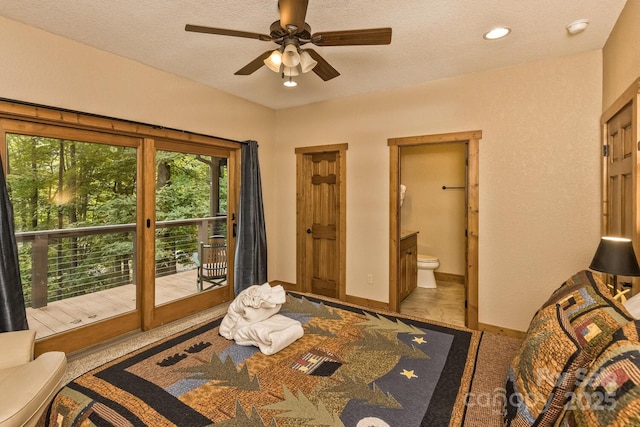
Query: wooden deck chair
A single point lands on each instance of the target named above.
(211, 261)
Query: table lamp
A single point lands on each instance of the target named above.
(615, 256)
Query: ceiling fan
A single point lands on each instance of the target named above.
(291, 32)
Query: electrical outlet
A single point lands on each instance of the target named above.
(370, 278)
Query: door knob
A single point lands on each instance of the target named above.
(308, 231)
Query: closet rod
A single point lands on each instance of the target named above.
(444, 187)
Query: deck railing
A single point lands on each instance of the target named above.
(59, 264)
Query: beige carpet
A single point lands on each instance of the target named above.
(487, 395)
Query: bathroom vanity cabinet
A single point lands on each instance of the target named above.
(408, 263)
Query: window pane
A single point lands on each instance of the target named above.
(191, 205)
(75, 215)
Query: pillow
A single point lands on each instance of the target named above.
(543, 371)
(609, 393)
(632, 305)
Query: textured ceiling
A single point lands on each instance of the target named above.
(432, 39)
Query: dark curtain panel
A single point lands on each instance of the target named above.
(251, 243)
(14, 315)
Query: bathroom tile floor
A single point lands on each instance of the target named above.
(444, 303)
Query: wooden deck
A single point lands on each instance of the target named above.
(60, 316)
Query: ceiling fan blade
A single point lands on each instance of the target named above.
(293, 13)
(254, 65)
(225, 32)
(324, 70)
(371, 36)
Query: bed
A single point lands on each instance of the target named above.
(352, 367)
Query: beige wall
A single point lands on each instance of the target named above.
(438, 215)
(621, 55)
(45, 69)
(539, 175)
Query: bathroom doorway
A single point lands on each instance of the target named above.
(444, 214)
(433, 177)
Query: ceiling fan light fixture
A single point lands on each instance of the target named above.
(307, 63)
(290, 71)
(290, 33)
(274, 61)
(290, 56)
(497, 33)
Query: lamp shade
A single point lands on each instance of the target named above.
(274, 61)
(290, 56)
(615, 255)
(307, 63)
(290, 71)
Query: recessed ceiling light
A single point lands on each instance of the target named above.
(497, 33)
(577, 26)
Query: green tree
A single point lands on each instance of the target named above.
(62, 184)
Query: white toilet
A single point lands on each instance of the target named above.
(426, 265)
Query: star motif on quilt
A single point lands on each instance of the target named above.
(419, 340)
(409, 374)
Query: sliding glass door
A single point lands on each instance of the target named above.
(193, 261)
(74, 197)
(191, 224)
(116, 232)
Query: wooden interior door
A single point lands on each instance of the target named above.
(620, 162)
(320, 192)
(620, 186)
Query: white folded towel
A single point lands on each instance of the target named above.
(270, 335)
(251, 319)
(256, 303)
(264, 295)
